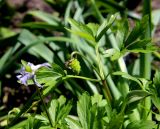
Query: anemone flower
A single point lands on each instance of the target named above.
(28, 71)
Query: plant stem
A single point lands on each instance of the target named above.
(45, 108)
(80, 77)
(145, 59)
(105, 86)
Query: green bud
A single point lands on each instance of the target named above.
(74, 65)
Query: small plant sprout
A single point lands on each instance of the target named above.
(28, 71)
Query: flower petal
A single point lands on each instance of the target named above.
(36, 83)
(23, 80)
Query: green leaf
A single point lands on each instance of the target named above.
(47, 76)
(46, 127)
(94, 27)
(56, 68)
(116, 121)
(122, 32)
(42, 118)
(105, 26)
(156, 79)
(141, 125)
(114, 54)
(73, 124)
(5, 57)
(81, 30)
(49, 18)
(91, 111)
(127, 76)
(143, 46)
(41, 25)
(136, 95)
(83, 107)
(137, 31)
(19, 125)
(27, 38)
(155, 90)
(6, 33)
(133, 99)
(78, 26)
(97, 99)
(59, 110)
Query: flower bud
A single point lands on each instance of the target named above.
(74, 65)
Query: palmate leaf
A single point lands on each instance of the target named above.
(83, 107)
(135, 41)
(91, 111)
(48, 77)
(143, 46)
(137, 32)
(59, 110)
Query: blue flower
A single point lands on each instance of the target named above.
(28, 71)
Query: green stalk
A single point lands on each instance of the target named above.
(80, 77)
(124, 88)
(145, 59)
(45, 108)
(103, 80)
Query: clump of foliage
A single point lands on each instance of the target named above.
(89, 82)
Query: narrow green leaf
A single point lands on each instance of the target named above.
(104, 27)
(127, 76)
(84, 35)
(78, 26)
(5, 57)
(27, 38)
(136, 95)
(49, 18)
(42, 25)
